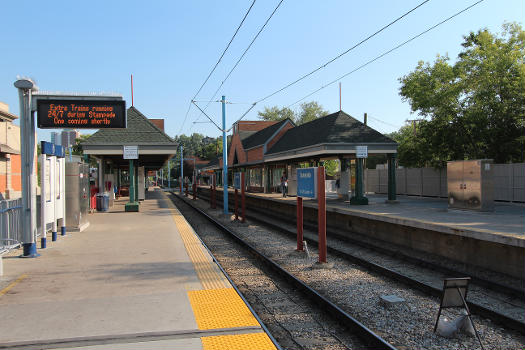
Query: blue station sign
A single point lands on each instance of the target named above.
(237, 181)
(307, 182)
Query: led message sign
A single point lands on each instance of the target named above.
(81, 114)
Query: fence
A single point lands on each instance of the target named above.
(509, 182)
(10, 224)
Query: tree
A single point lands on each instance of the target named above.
(77, 148)
(471, 109)
(276, 113)
(309, 111)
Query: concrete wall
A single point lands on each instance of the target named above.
(398, 234)
(509, 182)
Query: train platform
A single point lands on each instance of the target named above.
(130, 281)
(505, 225)
(477, 242)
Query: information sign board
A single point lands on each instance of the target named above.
(361, 151)
(237, 181)
(307, 182)
(131, 152)
(81, 114)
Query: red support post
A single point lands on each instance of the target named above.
(243, 198)
(321, 214)
(211, 196)
(214, 205)
(300, 224)
(236, 206)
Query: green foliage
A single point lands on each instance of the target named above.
(471, 109)
(276, 113)
(308, 111)
(77, 148)
(331, 167)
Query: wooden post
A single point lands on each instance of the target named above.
(243, 198)
(300, 224)
(213, 199)
(236, 206)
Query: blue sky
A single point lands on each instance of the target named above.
(171, 46)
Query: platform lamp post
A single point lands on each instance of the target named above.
(27, 137)
(131, 155)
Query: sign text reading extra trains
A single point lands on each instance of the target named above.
(81, 114)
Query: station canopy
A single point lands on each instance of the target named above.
(154, 146)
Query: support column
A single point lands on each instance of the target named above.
(132, 205)
(344, 180)
(392, 179)
(359, 198)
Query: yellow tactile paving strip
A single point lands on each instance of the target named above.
(209, 274)
(220, 308)
(253, 341)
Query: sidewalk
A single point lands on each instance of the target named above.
(125, 280)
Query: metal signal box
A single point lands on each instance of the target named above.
(471, 185)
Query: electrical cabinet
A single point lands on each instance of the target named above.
(77, 196)
(470, 184)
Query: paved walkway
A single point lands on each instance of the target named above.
(131, 279)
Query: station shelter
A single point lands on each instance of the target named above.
(127, 177)
(266, 150)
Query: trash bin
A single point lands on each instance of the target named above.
(103, 201)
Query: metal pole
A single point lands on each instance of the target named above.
(131, 181)
(169, 175)
(321, 213)
(181, 169)
(27, 140)
(391, 177)
(224, 159)
(243, 197)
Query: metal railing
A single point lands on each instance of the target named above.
(10, 224)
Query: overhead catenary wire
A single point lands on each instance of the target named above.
(218, 61)
(343, 53)
(387, 52)
(237, 63)
(246, 50)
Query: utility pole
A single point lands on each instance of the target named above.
(414, 123)
(181, 169)
(224, 159)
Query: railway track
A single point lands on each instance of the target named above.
(500, 303)
(341, 332)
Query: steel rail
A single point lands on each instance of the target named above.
(372, 340)
(475, 308)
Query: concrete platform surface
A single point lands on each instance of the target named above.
(127, 279)
(506, 224)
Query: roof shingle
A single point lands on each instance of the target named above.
(338, 127)
(139, 131)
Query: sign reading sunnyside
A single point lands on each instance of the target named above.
(307, 182)
(81, 114)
